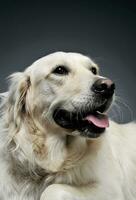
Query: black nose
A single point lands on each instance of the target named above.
(104, 87)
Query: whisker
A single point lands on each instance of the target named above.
(113, 113)
(119, 112)
(121, 101)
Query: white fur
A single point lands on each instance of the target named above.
(40, 160)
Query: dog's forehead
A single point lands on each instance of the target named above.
(44, 65)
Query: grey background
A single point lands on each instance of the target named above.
(104, 30)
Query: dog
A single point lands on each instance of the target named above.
(56, 140)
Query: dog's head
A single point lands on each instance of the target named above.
(64, 92)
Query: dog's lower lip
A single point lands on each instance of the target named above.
(72, 121)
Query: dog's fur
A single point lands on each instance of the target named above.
(41, 160)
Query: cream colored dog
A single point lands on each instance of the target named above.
(56, 142)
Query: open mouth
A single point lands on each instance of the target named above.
(89, 123)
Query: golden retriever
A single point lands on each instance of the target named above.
(56, 141)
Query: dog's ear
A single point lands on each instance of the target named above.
(19, 86)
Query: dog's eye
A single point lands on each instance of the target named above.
(61, 70)
(94, 70)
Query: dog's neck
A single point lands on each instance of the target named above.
(41, 156)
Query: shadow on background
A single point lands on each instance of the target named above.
(104, 30)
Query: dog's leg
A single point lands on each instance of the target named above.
(66, 192)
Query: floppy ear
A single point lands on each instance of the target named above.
(19, 85)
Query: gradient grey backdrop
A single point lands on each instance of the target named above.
(101, 29)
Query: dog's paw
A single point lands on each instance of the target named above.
(57, 192)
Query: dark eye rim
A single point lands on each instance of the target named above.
(60, 70)
(94, 70)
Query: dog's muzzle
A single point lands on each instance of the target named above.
(93, 122)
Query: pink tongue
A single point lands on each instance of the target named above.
(99, 120)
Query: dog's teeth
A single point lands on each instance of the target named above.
(99, 112)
